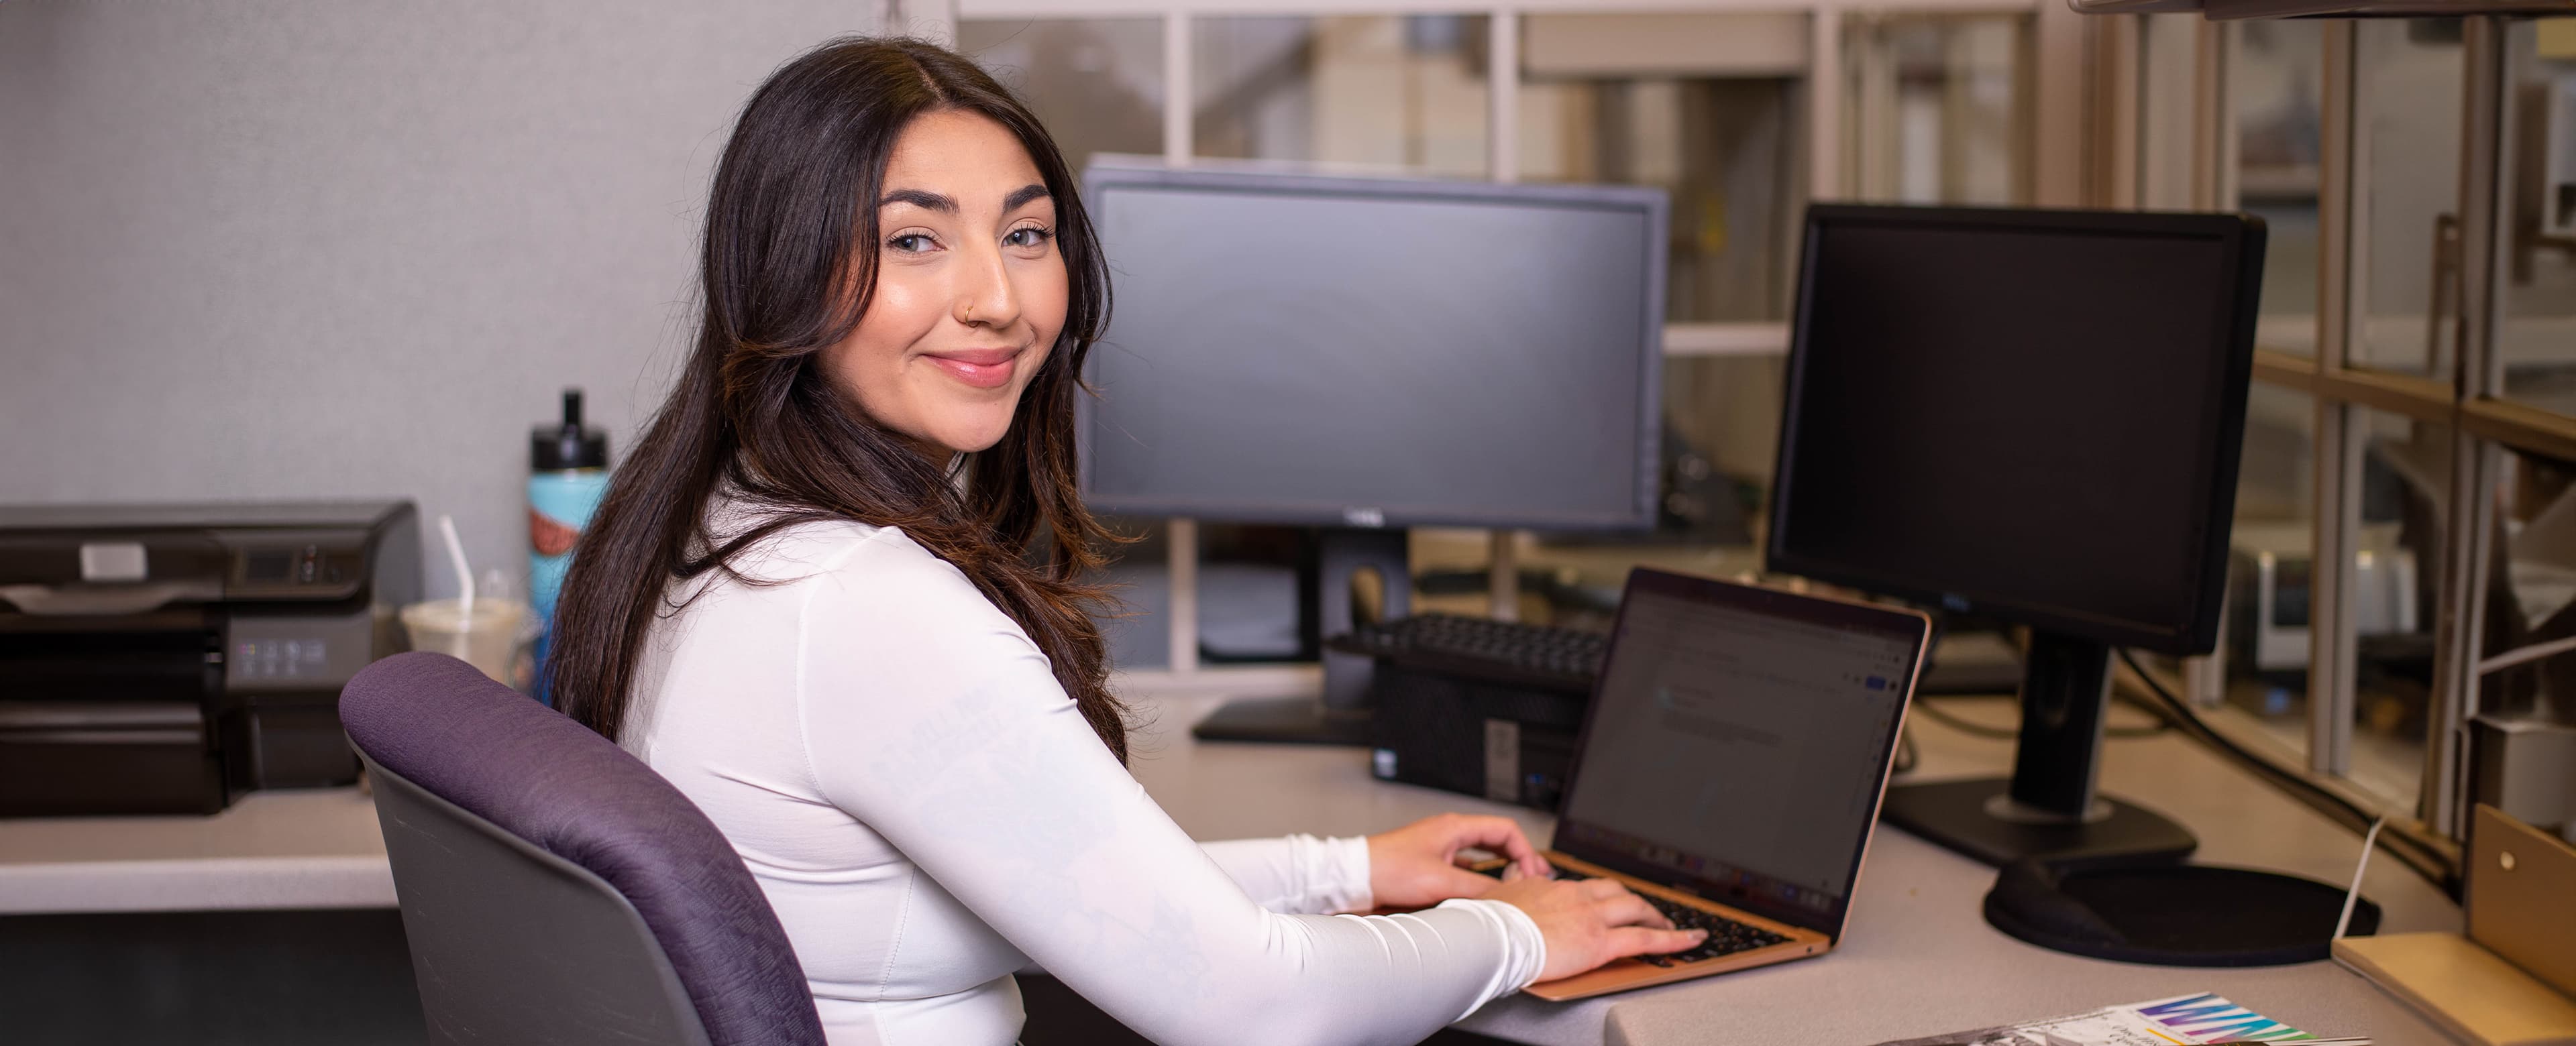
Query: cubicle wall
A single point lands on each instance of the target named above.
(301, 249)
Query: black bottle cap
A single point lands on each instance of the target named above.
(568, 445)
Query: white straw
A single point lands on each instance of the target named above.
(464, 576)
(2353, 895)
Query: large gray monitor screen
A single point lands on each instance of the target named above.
(1329, 357)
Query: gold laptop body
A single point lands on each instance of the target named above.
(1623, 974)
(1693, 659)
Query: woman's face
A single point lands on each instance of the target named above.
(970, 288)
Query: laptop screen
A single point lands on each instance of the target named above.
(1737, 743)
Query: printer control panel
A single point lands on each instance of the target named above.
(296, 651)
(294, 565)
(300, 566)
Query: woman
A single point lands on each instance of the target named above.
(835, 596)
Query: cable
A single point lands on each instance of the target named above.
(2427, 862)
(2352, 896)
(2161, 724)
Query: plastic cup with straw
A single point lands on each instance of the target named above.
(483, 632)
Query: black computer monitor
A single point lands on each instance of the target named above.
(2033, 416)
(1367, 354)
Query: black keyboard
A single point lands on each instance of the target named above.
(1514, 654)
(1725, 936)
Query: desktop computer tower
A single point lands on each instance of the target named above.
(1506, 743)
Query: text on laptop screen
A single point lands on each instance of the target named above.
(1738, 746)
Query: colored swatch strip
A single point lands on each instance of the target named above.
(2208, 1018)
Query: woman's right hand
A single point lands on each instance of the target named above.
(1588, 922)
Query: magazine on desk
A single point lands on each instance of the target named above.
(2183, 1019)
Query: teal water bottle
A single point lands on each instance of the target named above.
(568, 474)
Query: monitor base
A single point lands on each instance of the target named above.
(1960, 815)
(2165, 914)
(1284, 720)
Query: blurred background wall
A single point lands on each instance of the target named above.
(299, 248)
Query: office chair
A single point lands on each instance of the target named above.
(553, 888)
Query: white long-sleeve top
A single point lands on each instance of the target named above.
(927, 812)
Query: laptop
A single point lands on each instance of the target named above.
(1731, 766)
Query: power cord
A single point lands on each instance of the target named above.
(2432, 864)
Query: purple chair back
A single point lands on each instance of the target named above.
(553, 887)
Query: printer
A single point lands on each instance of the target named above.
(162, 659)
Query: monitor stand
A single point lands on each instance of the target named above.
(1341, 716)
(2048, 808)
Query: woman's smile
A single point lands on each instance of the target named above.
(980, 368)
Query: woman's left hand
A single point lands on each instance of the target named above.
(1416, 866)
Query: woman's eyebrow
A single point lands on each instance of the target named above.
(923, 198)
(1024, 194)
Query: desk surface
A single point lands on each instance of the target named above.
(1920, 960)
(316, 848)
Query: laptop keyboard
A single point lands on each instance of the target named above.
(1725, 936)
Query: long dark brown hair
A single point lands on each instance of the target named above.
(791, 222)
